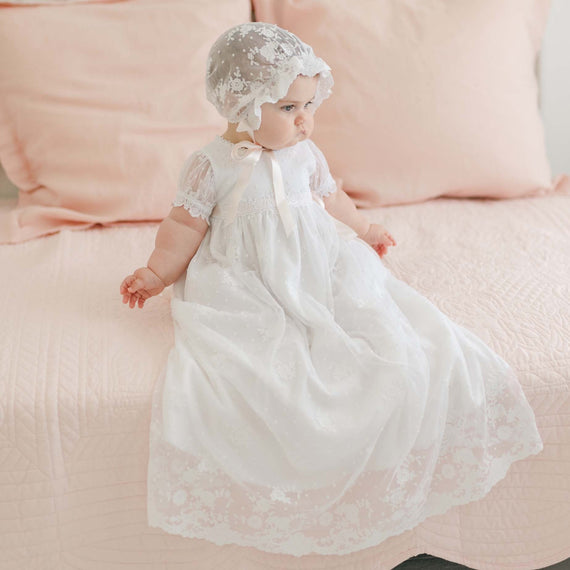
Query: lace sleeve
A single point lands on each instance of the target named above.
(322, 183)
(196, 189)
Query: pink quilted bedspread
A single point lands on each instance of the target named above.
(77, 370)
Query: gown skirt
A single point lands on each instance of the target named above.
(313, 403)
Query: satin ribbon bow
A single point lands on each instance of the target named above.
(248, 154)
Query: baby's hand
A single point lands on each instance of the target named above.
(137, 288)
(379, 238)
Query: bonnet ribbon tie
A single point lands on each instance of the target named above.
(248, 154)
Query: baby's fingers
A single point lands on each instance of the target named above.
(135, 285)
(125, 284)
(380, 249)
(131, 299)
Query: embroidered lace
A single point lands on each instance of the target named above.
(255, 63)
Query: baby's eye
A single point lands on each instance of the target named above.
(287, 108)
(307, 104)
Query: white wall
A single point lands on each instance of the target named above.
(555, 86)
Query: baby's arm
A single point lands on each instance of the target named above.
(339, 205)
(178, 238)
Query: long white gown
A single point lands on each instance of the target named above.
(312, 402)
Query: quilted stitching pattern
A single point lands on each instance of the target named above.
(77, 370)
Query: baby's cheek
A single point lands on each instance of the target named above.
(279, 124)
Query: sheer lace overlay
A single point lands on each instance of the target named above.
(195, 498)
(196, 187)
(312, 402)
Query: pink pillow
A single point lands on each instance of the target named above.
(99, 106)
(431, 98)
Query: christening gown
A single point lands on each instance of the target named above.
(312, 402)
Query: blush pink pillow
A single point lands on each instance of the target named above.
(431, 98)
(99, 106)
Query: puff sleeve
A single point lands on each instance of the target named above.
(322, 183)
(196, 187)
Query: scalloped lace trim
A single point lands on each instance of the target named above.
(195, 208)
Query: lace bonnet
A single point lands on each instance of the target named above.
(255, 63)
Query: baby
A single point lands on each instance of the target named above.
(312, 402)
(283, 123)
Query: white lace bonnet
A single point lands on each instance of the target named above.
(255, 63)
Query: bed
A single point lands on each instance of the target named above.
(77, 370)
(75, 450)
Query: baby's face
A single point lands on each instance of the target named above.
(289, 120)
